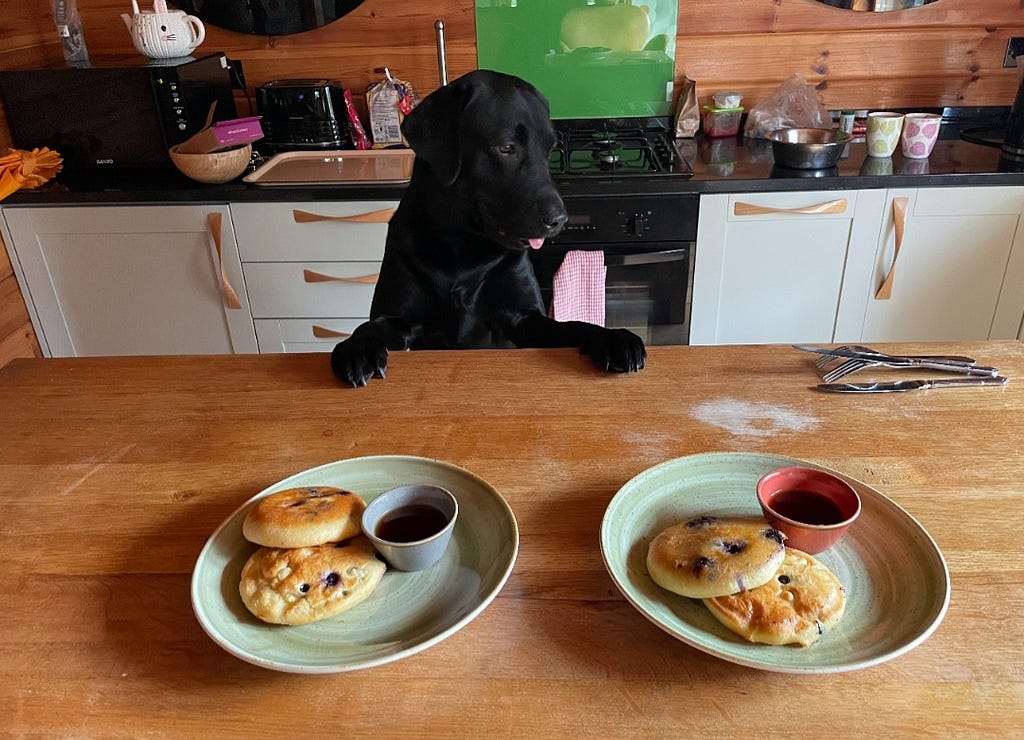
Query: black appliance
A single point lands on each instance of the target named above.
(303, 114)
(1013, 141)
(115, 115)
(620, 180)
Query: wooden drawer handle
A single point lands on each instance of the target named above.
(750, 209)
(899, 220)
(318, 277)
(215, 222)
(370, 217)
(322, 332)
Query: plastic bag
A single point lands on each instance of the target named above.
(388, 102)
(794, 105)
(687, 118)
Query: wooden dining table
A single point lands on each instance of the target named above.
(115, 472)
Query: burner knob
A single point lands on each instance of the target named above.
(637, 225)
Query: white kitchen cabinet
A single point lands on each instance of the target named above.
(131, 280)
(770, 267)
(948, 265)
(310, 268)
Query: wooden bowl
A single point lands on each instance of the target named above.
(212, 167)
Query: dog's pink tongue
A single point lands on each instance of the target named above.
(536, 243)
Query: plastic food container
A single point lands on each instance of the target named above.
(727, 99)
(719, 122)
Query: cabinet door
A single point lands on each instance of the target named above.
(770, 266)
(133, 280)
(945, 266)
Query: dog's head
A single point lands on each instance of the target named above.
(488, 137)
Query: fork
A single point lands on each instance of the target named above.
(824, 360)
(853, 364)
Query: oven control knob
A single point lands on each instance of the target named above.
(636, 225)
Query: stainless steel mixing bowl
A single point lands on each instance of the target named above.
(808, 148)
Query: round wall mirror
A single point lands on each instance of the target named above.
(268, 17)
(876, 5)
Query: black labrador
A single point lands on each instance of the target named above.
(456, 272)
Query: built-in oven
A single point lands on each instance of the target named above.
(621, 183)
(648, 242)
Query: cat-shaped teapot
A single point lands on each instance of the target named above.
(162, 33)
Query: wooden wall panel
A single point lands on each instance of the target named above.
(949, 52)
(857, 68)
(701, 17)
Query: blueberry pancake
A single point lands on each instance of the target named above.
(304, 517)
(715, 556)
(307, 584)
(798, 605)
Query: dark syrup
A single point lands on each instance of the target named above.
(809, 507)
(411, 523)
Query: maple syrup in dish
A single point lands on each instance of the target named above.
(411, 523)
(809, 507)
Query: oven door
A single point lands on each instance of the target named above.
(647, 288)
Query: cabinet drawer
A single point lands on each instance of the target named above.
(310, 289)
(822, 204)
(302, 335)
(287, 232)
(1007, 201)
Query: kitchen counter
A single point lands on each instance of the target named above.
(729, 165)
(115, 471)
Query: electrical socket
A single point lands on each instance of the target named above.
(1014, 48)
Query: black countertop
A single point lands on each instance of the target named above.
(731, 165)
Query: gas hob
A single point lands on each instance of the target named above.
(616, 148)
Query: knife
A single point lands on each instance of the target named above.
(951, 360)
(911, 385)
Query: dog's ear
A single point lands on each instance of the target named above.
(432, 130)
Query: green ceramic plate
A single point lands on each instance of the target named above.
(896, 579)
(407, 613)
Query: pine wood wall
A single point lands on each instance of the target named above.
(946, 53)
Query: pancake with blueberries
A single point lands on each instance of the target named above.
(711, 556)
(799, 604)
(304, 517)
(306, 584)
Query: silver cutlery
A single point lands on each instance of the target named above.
(911, 385)
(852, 365)
(865, 353)
(831, 357)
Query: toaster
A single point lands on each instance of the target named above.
(303, 114)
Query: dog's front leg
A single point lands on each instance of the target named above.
(364, 355)
(615, 350)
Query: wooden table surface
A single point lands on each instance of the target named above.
(115, 471)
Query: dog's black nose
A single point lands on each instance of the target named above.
(554, 220)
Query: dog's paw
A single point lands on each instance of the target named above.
(616, 350)
(355, 361)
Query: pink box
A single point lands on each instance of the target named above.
(224, 135)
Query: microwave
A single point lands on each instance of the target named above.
(115, 115)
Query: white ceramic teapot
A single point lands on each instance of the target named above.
(162, 33)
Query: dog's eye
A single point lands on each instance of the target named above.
(506, 149)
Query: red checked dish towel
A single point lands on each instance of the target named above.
(578, 288)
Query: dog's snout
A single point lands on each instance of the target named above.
(555, 217)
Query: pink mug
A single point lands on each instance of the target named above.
(920, 132)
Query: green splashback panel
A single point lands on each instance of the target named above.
(592, 59)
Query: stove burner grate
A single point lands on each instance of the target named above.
(606, 147)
